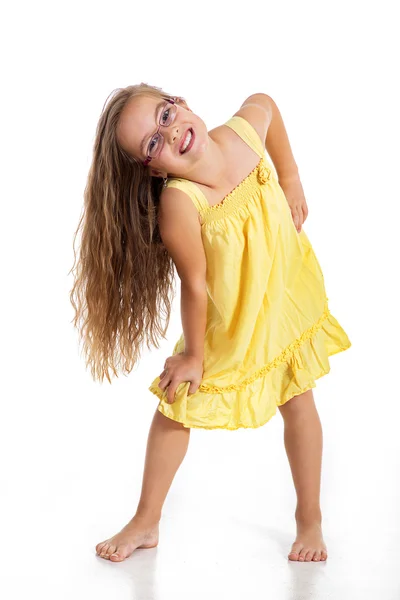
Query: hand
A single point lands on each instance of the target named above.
(178, 368)
(294, 194)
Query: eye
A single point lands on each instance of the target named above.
(166, 112)
(153, 143)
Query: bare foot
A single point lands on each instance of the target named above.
(138, 533)
(309, 544)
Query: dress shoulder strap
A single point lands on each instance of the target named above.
(248, 134)
(194, 193)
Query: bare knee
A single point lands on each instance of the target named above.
(169, 423)
(297, 403)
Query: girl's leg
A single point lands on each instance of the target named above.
(303, 443)
(166, 448)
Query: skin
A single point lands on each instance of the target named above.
(166, 448)
(204, 163)
(217, 162)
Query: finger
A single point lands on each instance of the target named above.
(164, 382)
(295, 216)
(304, 210)
(299, 218)
(171, 391)
(300, 221)
(193, 387)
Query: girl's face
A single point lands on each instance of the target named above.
(139, 122)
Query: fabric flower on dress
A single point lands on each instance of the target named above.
(264, 173)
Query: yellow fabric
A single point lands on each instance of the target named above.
(269, 330)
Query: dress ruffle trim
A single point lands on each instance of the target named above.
(255, 400)
(281, 358)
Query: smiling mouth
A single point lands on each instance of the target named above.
(190, 133)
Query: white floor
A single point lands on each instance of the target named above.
(72, 468)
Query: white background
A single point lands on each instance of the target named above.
(73, 449)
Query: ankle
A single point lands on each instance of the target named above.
(148, 516)
(308, 515)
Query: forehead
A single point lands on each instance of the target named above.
(138, 120)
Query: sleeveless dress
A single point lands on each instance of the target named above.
(269, 331)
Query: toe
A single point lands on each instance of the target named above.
(295, 551)
(120, 553)
(103, 551)
(324, 555)
(309, 555)
(100, 546)
(111, 549)
(317, 556)
(302, 555)
(116, 557)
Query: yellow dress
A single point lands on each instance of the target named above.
(269, 330)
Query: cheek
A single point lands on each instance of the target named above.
(167, 159)
(201, 139)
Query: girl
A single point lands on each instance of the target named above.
(162, 191)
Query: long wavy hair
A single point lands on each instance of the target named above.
(124, 278)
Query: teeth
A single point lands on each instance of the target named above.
(186, 142)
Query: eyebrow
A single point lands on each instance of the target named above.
(159, 105)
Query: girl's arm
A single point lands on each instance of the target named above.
(278, 147)
(181, 235)
(264, 115)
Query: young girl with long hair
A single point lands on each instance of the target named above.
(163, 192)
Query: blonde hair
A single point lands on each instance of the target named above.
(124, 278)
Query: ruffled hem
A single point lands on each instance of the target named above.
(255, 404)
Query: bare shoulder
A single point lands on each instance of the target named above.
(257, 110)
(176, 207)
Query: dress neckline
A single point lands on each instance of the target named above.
(239, 194)
(208, 207)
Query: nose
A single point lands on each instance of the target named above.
(172, 134)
